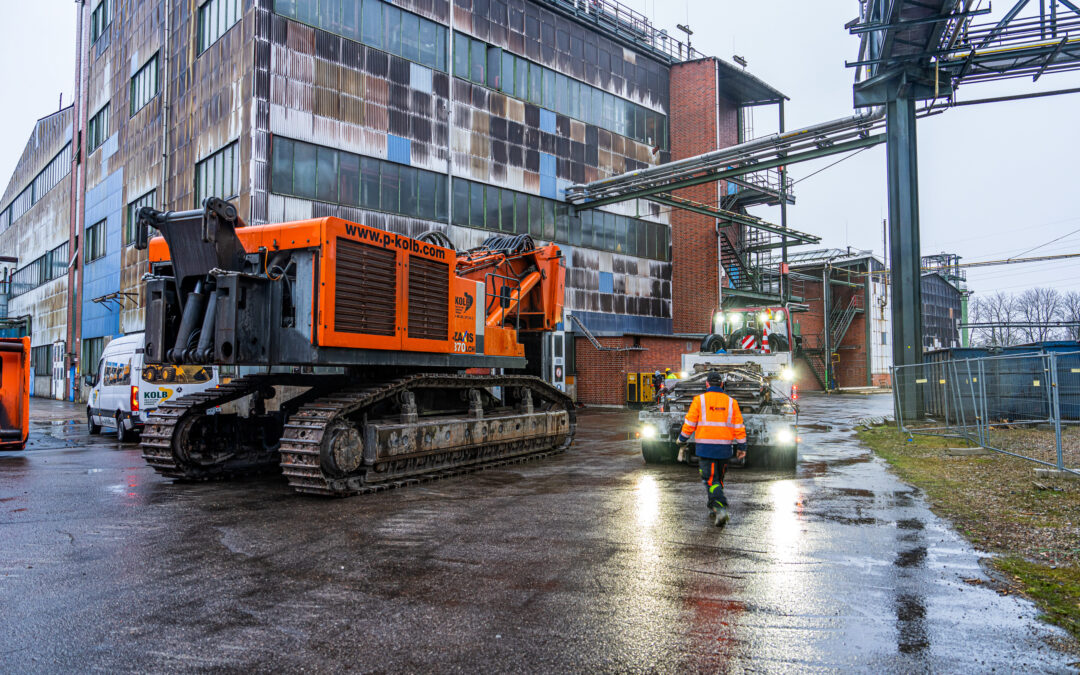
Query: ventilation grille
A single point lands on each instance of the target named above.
(366, 293)
(429, 299)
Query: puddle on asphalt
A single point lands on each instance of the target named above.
(913, 557)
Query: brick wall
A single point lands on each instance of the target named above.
(601, 376)
(694, 123)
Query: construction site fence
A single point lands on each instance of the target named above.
(1023, 405)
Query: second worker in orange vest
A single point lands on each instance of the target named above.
(715, 422)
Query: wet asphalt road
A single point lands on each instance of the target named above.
(591, 561)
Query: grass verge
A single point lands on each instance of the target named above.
(998, 504)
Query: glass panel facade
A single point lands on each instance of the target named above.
(520, 78)
(374, 23)
(418, 193)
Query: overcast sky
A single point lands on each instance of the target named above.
(995, 180)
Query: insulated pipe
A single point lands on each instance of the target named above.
(204, 352)
(193, 311)
(773, 141)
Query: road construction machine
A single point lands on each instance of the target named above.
(14, 392)
(363, 358)
(751, 350)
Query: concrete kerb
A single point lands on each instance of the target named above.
(1056, 473)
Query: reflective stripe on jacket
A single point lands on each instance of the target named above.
(716, 423)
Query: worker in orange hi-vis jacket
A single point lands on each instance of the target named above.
(715, 422)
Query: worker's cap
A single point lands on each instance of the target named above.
(714, 377)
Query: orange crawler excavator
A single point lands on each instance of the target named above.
(14, 392)
(355, 349)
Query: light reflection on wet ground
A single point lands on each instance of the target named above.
(590, 561)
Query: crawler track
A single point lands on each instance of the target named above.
(183, 441)
(175, 446)
(304, 446)
(162, 449)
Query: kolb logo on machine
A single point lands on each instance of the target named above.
(463, 303)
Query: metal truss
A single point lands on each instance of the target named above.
(768, 152)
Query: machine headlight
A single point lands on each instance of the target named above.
(683, 375)
(785, 436)
(648, 431)
(779, 315)
(787, 374)
(763, 317)
(736, 319)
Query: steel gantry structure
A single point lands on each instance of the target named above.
(737, 163)
(922, 51)
(914, 55)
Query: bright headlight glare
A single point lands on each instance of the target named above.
(787, 374)
(785, 436)
(763, 317)
(736, 319)
(682, 375)
(779, 316)
(648, 431)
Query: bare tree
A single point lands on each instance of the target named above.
(1070, 311)
(1000, 309)
(1039, 306)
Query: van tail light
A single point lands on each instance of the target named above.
(134, 398)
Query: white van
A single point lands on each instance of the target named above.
(125, 391)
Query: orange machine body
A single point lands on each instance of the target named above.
(378, 290)
(14, 392)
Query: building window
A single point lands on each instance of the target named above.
(144, 85)
(132, 219)
(218, 175)
(216, 17)
(94, 242)
(884, 338)
(54, 172)
(309, 171)
(50, 266)
(40, 358)
(99, 19)
(499, 69)
(375, 23)
(92, 349)
(98, 129)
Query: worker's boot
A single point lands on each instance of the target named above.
(721, 516)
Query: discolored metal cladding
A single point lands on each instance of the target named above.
(315, 86)
(43, 227)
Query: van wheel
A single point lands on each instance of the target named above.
(94, 429)
(122, 433)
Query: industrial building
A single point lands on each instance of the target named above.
(944, 302)
(843, 327)
(35, 251)
(471, 118)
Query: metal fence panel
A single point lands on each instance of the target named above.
(1021, 404)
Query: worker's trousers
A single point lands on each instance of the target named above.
(712, 474)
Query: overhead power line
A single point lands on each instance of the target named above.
(992, 263)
